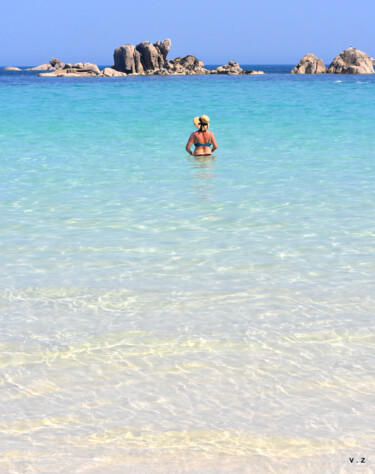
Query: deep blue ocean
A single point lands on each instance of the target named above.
(165, 313)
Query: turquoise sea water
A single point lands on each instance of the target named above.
(164, 313)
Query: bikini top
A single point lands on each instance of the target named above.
(202, 144)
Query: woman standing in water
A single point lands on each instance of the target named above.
(202, 139)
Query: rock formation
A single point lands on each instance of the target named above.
(351, 61)
(252, 72)
(231, 68)
(56, 63)
(85, 67)
(11, 68)
(53, 64)
(163, 47)
(187, 65)
(309, 64)
(151, 56)
(151, 59)
(143, 58)
(42, 67)
(127, 59)
(75, 70)
(110, 72)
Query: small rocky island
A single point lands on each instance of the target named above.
(151, 59)
(349, 61)
(143, 59)
(309, 64)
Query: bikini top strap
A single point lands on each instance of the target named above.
(208, 139)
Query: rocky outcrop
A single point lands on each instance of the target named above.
(151, 59)
(231, 68)
(53, 64)
(309, 64)
(151, 56)
(56, 63)
(143, 58)
(75, 70)
(351, 61)
(41, 67)
(85, 67)
(110, 72)
(252, 72)
(11, 68)
(187, 65)
(127, 59)
(163, 47)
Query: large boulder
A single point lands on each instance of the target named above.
(127, 59)
(309, 64)
(12, 68)
(187, 65)
(231, 68)
(75, 70)
(351, 61)
(110, 72)
(86, 67)
(56, 63)
(163, 47)
(53, 64)
(143, 58)
(151, 58)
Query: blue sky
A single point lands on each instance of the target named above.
(250, 32)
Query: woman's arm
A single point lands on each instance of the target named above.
(213, 141)
(189, 143)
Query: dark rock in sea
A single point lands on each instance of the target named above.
(234, 69)
(231, 68)
(151, 58)
(127, 59)
(351, 61)
(309, 64)
(251, 72)
(187, 65)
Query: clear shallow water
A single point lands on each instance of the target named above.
(161, 313)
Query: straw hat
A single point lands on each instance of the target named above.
(203, 119)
